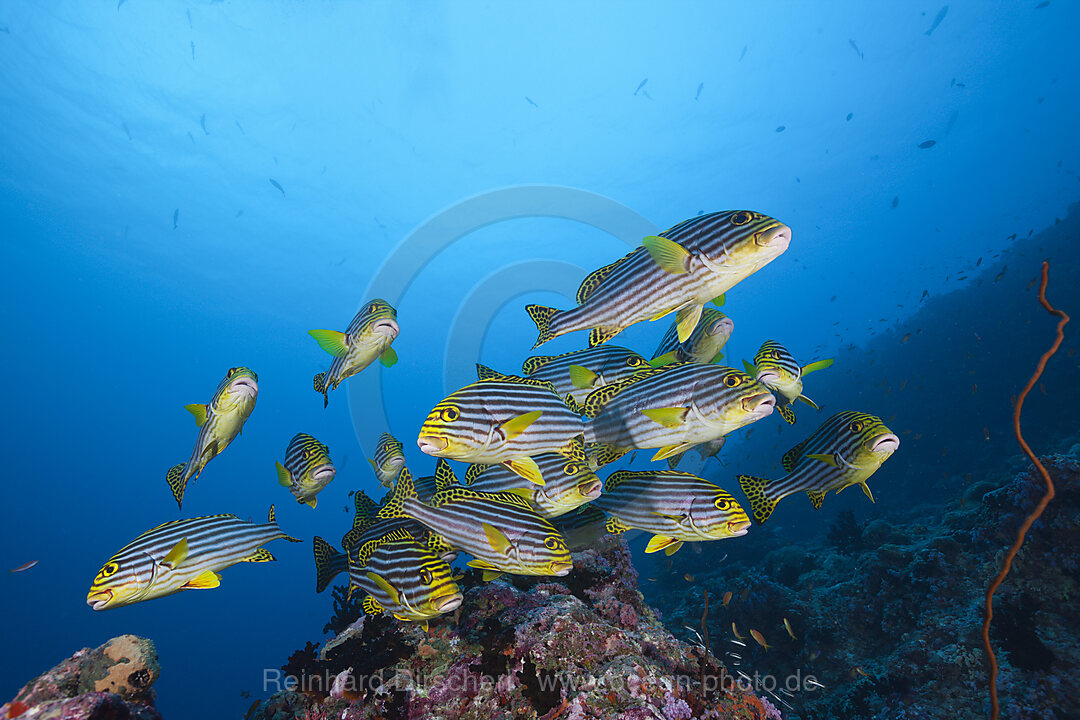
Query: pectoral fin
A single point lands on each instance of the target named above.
(718, 301)
(497, 539)
(660, 542)
(668, 254)
(666, 452)
(825, 458)
(808, 401)
(751, 370)
(515, 426)
(203, 581)
(389, 357)
(311, 502)
(284, 478)
(527, 468)
(582, 377)
(687, 319)
(717, 358)
(662, 360)
(819, 365)
(331, 341)
(177, 555)
(482, 564)
(385, 587)
(489, 575)
(199, 411)
(670, 417)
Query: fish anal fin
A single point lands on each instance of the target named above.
(260, 555)
(599, 336)
(659, 542)
(816, 498)
(371, 606)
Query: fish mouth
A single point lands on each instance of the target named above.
(99, 600)
(591, 489)
(768, 377)
(760, 404)
(432, 444)
(387, 327)
(737, 528)
(244, 386)
(447, 603)
(887, 443)
(777, 237)
(324, 472)
(561, 568)
(724, 326)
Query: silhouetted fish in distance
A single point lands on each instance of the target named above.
(175, 217)
(641, 85)
(276, 184)
(938, 19)
(202, 124)
(699, 88)
(856, 49)
(530, 101)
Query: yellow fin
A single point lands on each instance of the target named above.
(524, 493)
(816, 498)
(672, 549)
(177, 555)
(199, 411)
(482, 564)
(203, 581)
(284, 479)
(668, 254)
(515, 426)
(662, 360)
(598, 336)
(718, 301)
(331, 341)
(686, 320)
(370, 605)
(750, 369)
(819, 365)
(582, 377)
(389, 357)
(311, 502)
(260, 555)
(659, 542)
(717, 358)
(385, 587)
(761, 505)
(866, 490)
(666, 452)
(527, 468)
(496, 538)
(787, 413)
(825, 458)
(670, 417)
(615, 526)
(489, 575)
(808, 401)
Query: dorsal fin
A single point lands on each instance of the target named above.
(366, 508)
(596, 278)
(536, 362)
(458, 493)
(483, 372)
(403, 489)
(475, 470)
(792, 456)
(444, 475)
(616, 478)
(363, 553)
(597, 399)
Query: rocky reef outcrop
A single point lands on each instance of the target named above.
(111, 682)
(582, 646)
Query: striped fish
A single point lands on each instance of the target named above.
(181, 555)
(704, 344)
(501, 419)
(846, 450)
(674, 408)
(219, 422)
(676, 507)
(368, 336)
(580, 372)
(776, 369)
(569, 482)
(706, 450)
(500, 530)
(307, 468)
(388, 459)
(679, 270)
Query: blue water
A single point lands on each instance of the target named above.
(376, 118)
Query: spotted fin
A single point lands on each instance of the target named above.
(668, 254)
(177, 482)
(686, 320)
(582, 377)
(661, 542)
(199, 411)
(615, 526)
(601, 454)
(542, 316)
(319, 381)
(527, 468)
(475, 470)
(403, 489)
(328, 563)
(599, 336)
(761, 505)
(331, 341)
(260, 555)
(284, 479)
(791, 457)
(444, 475)
(595, 279)
(371, 606)
(816, 498)
(787, 413)
(205, 580)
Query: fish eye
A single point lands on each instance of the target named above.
(732, 380)
(634, 361)
(741, 218)
(855, 426)
(232, 371)
(775, 354)
(373, 308)
(570, 469)
(449, 413)
(109, 569)
(425, 576)
(722, 504)
(553, 542)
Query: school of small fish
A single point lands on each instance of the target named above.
(534, 443)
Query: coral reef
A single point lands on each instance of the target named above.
(583, 646)
(114, 681)
(891, 626)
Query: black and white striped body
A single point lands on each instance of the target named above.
(568, 483)
(609, 364)
(388, 459)
(701, 402)
(139, 571)
(307, 468)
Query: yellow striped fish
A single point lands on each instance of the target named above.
(775, 368)
(500, 530)
(674, 408)
(676, 507)
(846, 450)
(307, 468)
(704, 344)
(580, 372)
(219, 422)
(389, 458)
(368, 336)
(679, 270)
(501, 419)
(181, 555)
(568, 482)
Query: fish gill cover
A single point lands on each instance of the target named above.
(190, 188)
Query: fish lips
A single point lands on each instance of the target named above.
(777, 237)
(761, 404)
(447, 603)
(559, 569)
(737, 528)
(387, 327)
(887, 443)
(591, 489)
(432, 444)
(99, 600)
(722, 327)
(324, 473)
(244, 386)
